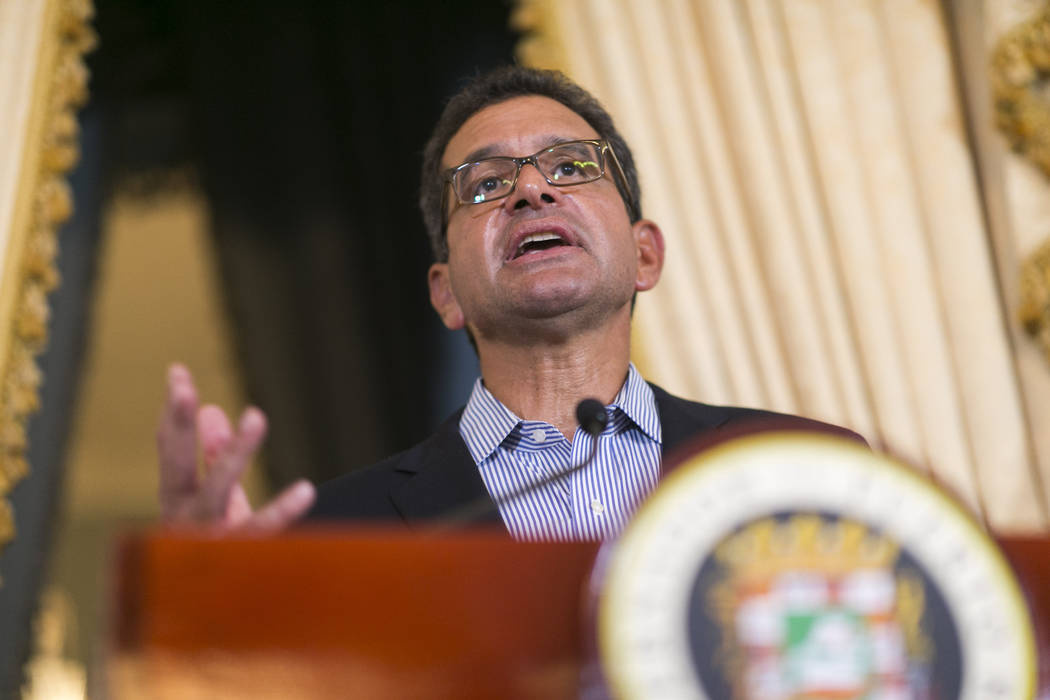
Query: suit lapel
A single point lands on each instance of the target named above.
(682, 420)
(445, 479)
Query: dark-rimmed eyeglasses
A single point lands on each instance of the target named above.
(561, 165)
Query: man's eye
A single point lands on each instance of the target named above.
(484, 187)
(566, 169)
(575, 170)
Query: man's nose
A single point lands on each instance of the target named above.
(532, 189)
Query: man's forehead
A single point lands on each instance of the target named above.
(516, 127)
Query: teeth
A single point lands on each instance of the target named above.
(537, 238)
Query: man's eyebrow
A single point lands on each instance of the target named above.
(499, 148)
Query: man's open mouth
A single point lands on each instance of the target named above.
(535, 242)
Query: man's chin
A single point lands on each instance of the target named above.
(566, 314)
(528, 309)
(555, 322)
(552, 304)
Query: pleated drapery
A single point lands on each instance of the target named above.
(831, 247)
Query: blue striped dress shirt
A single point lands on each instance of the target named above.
(591, 504)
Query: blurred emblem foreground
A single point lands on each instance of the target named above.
(791, 565)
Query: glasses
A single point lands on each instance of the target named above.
(562, 165)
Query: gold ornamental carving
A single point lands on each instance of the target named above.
(1035, 296)
(1021, 83)
(43, 202)
(541, 44)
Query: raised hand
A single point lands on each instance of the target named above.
(214, 496)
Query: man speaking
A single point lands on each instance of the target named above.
(532, 204)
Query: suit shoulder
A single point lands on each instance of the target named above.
(695, 417)
(365, 493)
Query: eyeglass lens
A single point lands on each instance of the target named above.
(566, 164)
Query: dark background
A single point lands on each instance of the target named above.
(303, 124)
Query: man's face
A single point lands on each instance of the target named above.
(497, 286)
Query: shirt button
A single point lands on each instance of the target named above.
(539, 435)
(597, 507)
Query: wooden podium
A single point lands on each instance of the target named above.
(376, 614)
(370, 614)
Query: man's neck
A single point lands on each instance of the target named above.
(546, 381)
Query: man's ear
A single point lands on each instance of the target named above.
(650, 243)
(442, 298)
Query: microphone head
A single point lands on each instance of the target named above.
(592, 416)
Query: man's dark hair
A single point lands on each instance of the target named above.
(498, 86)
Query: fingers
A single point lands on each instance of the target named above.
(218, 499)
(177, 440)
(214, 432)
(238, 507)
(290, 505)
(228, 465)
(215, 435)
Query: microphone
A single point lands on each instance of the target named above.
(592, 418)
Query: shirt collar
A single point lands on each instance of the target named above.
(486, 422)
(637, 402)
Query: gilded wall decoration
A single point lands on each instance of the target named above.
(541, 44)
(1035, 296)
(1021, 81)
(43, 203)
(1021, 84)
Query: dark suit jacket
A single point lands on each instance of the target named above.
(429, 481)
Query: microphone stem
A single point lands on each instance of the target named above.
(480, 507)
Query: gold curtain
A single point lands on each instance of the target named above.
(42, 80)
(830, 251)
